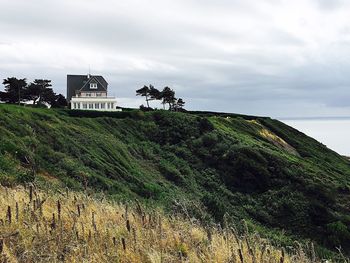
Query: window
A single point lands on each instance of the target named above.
(93, 85)
(74, 105)
(88, 94)
(98, 94)
(103, 105)
(91, 105)
(78, 105)
(108, 105)
(112, 105)
(97, 105)
(84, 106)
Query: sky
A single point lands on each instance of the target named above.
(273, 58)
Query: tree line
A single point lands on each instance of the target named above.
(166, 96)
(39, 91)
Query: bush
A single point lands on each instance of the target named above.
(171, 173)
(205, 125)
(249, 171)
(215, 206)
(338, 234)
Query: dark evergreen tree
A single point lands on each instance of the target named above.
(144, 92)
(168, 97)
(47, 96)
(15, 90)
(39, 91)
(179, 104)
(154, 93)
(59, 102)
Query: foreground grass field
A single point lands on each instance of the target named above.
(40, 226)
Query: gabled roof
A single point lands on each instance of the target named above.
(93, 79)
(77, 82)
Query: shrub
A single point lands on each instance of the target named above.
(215, 206)
(205, 125)
(338, 233)
(171, 173)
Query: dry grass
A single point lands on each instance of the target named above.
(37, 226)
(274, 139)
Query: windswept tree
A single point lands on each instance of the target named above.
(168, 97)
(15, 90)
(39, 91)
(179, 104)
(144, 92)
(154, 93)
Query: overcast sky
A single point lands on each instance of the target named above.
(275, 57)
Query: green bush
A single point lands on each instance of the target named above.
(171, 173)
(338, 234)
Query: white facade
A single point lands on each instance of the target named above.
(97, 103)
(87, 92)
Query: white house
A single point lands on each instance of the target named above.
(88, 92)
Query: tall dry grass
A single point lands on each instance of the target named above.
(37, 226)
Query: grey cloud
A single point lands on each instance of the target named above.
(329, 4)
(228, 56)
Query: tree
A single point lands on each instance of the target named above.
(39, 91)
(47, 96)
(154, 93)
(59, 102)
(144, 92)
(3, 96)
(168, 97)
(179, 104)
(14, 90)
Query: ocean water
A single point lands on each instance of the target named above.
(334, 132)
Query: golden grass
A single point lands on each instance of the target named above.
(274, 139)
(37, 226)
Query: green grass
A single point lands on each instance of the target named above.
(221, 164)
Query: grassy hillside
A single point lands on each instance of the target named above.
(209, 166)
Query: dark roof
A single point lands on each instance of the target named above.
(80, 82)
(96, 80)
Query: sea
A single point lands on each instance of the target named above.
(332, 132)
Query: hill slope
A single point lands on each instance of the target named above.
(247, 167)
